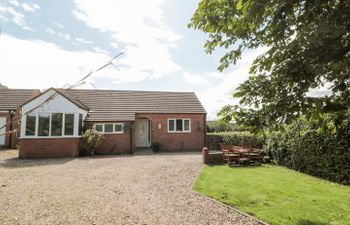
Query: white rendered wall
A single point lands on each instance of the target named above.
(56, 104)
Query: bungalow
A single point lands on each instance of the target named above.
(53, 122)
(10, 100)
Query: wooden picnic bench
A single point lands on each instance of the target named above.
(237, 155)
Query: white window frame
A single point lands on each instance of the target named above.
(118, 132)
(63, 126)
(183, 125)
(114, 132)
(82, 123)
(35, 125)
(62, 131)
(104, 128)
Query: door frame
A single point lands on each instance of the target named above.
(148, 131)
(2, 131)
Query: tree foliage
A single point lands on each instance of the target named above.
(308, 46)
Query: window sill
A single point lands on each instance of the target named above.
(48, 137)
(179, 132)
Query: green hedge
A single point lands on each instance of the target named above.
(323, 153)
(235, 138)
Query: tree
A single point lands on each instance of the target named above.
(308, 45)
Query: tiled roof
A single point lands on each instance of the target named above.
(11, 99)
(117, 105)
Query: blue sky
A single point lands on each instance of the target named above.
(55, 43)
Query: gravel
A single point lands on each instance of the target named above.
(149, 189)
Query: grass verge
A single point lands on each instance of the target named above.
(277, 195)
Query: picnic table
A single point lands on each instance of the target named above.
(237, 155)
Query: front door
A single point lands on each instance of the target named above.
(142, 135)
(2, 130)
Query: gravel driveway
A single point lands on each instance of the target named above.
(150, 189)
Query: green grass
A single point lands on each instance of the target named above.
(277, 195)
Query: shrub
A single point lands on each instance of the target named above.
(156, 147)
(91, 140)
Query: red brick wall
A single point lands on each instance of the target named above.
(171, 142)
(115, 144)
(49, 147)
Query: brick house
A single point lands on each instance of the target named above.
(10, 101)
(53, 122)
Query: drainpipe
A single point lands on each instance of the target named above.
(205, 130)
(131, 138)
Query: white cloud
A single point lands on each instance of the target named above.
(15, 17)
(15, 3)
(51, 66)
(58, 25)
(196, 79)
(134, 22)
(83, 41)
(60, 34)
(100, 50)
(114, 44)
(216, 96)
(50, 30)
(122, 75)
(30, 7)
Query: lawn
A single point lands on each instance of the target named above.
(277, 195)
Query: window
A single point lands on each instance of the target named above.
(118, 128)
(171, 125)
(108, 128)
(56, 124)
(44, 124)
(81, 124)
(68, 124)
(187, 125)
(99, 127)
(30, 124)
(179, 125)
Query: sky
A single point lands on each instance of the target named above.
(55, 43)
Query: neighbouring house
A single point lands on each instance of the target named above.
(53, 122)
(10, 101)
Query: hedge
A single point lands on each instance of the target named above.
(234, 138)
(324, 154)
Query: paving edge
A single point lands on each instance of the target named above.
(222, 204)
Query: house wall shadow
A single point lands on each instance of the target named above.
(22, 163)
(15, 162)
